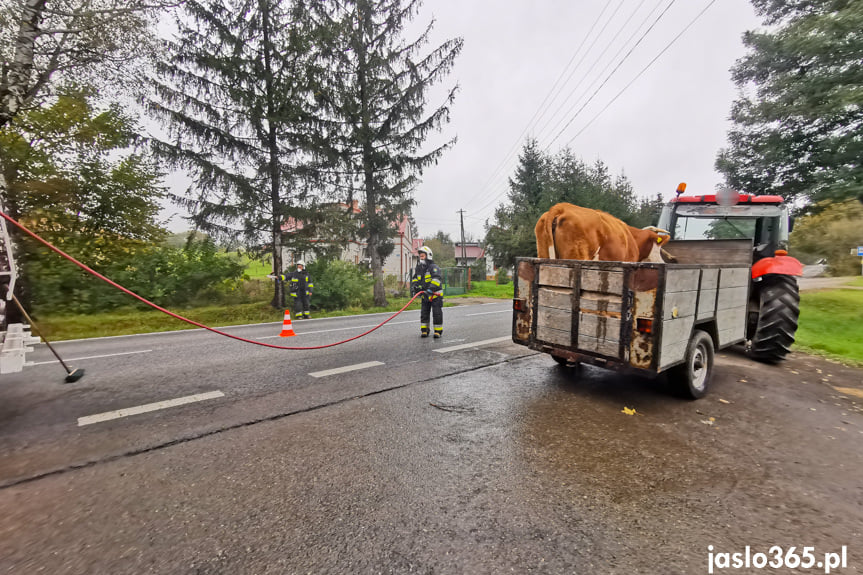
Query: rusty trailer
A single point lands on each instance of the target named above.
(644, 318)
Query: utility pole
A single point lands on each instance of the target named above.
(463, 256)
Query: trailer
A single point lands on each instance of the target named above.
(641, 318)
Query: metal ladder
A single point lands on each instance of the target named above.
(14, 338)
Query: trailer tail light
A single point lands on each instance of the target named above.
(519, 305)
(644, 325)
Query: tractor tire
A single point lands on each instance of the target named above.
(778, 311)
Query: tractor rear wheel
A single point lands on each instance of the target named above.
(772, 335)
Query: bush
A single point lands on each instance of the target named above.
(477, 270)
(339, 284)
(164, 275)
(502, 277)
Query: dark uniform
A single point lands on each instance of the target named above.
(427, 278)
(301, 287)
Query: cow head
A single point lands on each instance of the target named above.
(650, 244)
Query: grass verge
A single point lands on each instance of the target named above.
(831, 324)
(130, 321)
(489, 289)
(856, 282)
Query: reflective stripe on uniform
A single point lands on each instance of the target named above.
(438, 328)
(435, 283)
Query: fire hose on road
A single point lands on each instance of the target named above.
(187, 320)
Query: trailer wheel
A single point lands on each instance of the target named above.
(563, 362)
(776, 324)
(693, 375)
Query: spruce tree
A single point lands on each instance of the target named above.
(235, 97)
(375, 100)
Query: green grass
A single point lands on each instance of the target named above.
(489, 289)
(831, 324)
(857, 282)
(130, 321)
(256, 269)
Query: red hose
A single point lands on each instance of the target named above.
(187, 320)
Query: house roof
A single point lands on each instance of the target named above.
(471, 250)
(293, 225)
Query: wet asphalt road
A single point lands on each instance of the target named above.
(489, 459)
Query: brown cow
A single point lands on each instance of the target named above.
(574, 233)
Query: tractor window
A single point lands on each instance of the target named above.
(690, 228)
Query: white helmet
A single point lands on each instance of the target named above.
(427, 251)
(301, 263)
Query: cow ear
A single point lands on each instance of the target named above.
(662, 238)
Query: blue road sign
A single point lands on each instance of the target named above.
(860, 251)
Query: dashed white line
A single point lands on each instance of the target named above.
(488, 312)
(345, 369)
(91, 357)
(474, 344)
(109, 415)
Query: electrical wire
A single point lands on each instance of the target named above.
(643, 70)
(616, 68)
(486, 188)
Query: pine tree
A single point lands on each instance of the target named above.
(375, 98)
(540, 182)
(235, 95)
(512, 235)
(798, 124)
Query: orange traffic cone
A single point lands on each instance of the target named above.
(287, 330)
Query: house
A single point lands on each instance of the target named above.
(399, 263)
(468, 255)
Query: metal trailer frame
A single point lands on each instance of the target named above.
(673, 300)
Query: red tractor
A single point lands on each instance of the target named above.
(774, 301)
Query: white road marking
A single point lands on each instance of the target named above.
(263, 324)
(488, 312)
(109, 415)
(474, 344)
(91, 357)
(345, 369)
(339, 328)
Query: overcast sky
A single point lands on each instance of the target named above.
(666, 127)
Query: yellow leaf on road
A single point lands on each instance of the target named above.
(628, 411)
(849, 391)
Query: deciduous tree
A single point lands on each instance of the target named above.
(798, 123)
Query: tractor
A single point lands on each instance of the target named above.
(774, 300)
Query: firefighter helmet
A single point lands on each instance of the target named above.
(428, 252)
(301, 263)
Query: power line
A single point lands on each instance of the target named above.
(543, 103)
(595, 62)
(640, 73)
(643, 70)
(607, 78)
(491, 195)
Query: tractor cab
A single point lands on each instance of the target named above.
(762, 219)
(729, 215)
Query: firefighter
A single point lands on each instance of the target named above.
(301, 289)
(427, 279)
